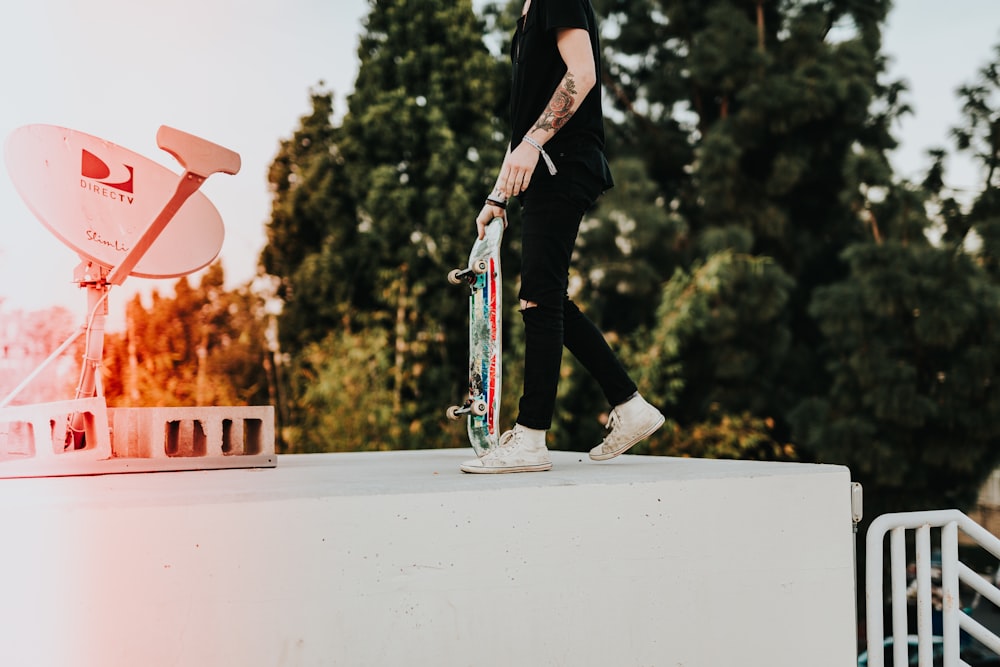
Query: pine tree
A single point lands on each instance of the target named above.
(370, 216)
(314, 247)
(753, 118)
(979, 137)
(911, 334)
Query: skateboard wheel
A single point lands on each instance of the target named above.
(452, 412)
(480, 266)
(454, 277)
(479, 408)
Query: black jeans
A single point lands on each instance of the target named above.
(552, 209)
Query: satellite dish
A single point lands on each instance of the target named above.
(120, 211)
(98, 198)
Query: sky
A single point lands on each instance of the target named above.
(239, 73)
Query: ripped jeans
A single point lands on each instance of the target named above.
(551, 217)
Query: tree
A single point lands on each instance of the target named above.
(912, 336)
(27, 339)
(203, 346)
(314, 248)
(763, 126)
(979, 137)
(369, 216)
(346, 403)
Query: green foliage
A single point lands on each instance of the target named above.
(342, 395)
(765, 126)
(724, 325)
(370, 215)
(912, 335)
(626, 248)
(980, 134)
(314, 241)
(721, 436)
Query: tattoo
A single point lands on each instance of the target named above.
(560, 107)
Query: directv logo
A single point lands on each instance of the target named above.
(98, 178)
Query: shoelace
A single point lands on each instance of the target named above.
(506, 442)
(507, 438)
(613, 419)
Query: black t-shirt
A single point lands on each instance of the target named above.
(537, 71)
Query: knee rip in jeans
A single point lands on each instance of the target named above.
(525, 305)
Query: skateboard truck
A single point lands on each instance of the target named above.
(477, 407)
(477, 268)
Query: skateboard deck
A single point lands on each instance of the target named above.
(484, 279)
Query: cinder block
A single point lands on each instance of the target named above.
(138, 439)
(38, 431)
(193, 432)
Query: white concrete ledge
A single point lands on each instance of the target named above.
(397, 558)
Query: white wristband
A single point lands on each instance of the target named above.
(545, 156)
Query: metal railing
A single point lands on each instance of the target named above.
(954, 619)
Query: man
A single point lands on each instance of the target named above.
(557, 118)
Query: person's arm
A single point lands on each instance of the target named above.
(520, 162)
(580, 79)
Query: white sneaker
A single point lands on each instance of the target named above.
(521, 449)
(629, 423)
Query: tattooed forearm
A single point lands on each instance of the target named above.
(560, 107)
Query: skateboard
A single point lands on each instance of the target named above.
(484, 279)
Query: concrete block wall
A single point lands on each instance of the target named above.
(397, 558)
(134, 439)
(161, 433)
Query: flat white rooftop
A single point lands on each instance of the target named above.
(302, 476)
(393, 558)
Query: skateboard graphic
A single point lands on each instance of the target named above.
(485, 325)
